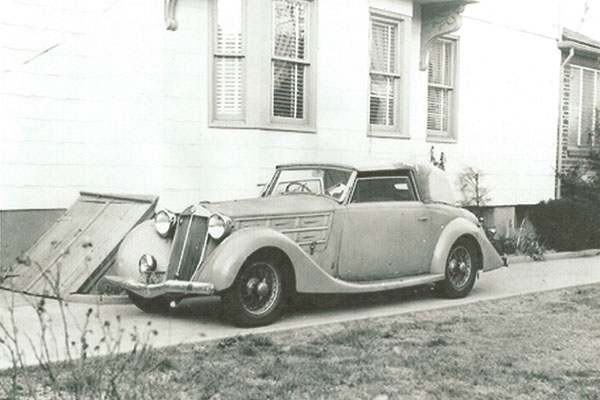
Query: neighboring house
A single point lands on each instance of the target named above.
(579, 130)
(101, 96)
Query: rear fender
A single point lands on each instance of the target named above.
(224, 263)
(452, 232)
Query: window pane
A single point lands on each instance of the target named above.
(229, 27)
(383, 47)
(288, 89)
(290, 29)
(382, 100)
(438, 109)
(228, 85)
(383, 189)
(435, 72)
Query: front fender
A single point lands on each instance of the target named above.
(143, 239)
(224, 263)
(454, 230)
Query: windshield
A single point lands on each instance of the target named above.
(330, 182)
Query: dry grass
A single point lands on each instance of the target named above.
(532, 347)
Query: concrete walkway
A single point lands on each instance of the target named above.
(201, 320)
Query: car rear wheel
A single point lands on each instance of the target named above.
(461, 270)
(154, 305)
(256, 297)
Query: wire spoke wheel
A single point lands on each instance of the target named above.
(258, 295)
(460, 267)
(259, 289)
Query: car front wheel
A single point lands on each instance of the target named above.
(256, 297)
(461, 270)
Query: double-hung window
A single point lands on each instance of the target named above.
(263, 69)
(228, 61)
(385, 73)
(584, 109)
(441, 90)
(290, 59)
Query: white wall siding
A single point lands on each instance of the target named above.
(122, 104)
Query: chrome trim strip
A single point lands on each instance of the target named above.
(282, 216)
(183, 248)
(315, 228)
(204, 246)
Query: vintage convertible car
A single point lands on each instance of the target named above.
(316, 228)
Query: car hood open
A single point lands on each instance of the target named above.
(273, 205)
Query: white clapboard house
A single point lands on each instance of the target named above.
(200, 99)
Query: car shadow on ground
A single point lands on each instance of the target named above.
(210, 309)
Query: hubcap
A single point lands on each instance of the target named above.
(261, 288)
(460, 267)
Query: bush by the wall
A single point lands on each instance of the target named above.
(567, 224)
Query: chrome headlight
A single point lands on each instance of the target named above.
(146, 264)
(218, 226)
(164, 221)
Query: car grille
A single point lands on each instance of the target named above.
(189, 244)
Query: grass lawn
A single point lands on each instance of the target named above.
(537, 346)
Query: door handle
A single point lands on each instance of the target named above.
(423, 218)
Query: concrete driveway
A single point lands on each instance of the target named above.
(201, 320)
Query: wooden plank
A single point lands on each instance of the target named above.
(129, 197)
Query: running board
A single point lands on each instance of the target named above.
(341, 286)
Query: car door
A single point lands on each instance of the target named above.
(385, 230)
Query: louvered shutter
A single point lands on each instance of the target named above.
(229, 60)
(384, 73)
(290, 58)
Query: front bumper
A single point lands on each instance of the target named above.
(166, 287)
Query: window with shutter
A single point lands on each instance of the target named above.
(228, 62)
(584, 107)
(290, 58)
(441, 91)
(260, 87)
(384, 72)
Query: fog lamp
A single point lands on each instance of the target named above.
(147, 263)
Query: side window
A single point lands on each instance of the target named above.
(382, 189)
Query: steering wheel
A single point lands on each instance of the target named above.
(302, 186)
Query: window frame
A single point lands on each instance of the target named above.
(450, 136)
(257, 71)
(400, 128)
(305, 63)
(214, 118)
(392, 174)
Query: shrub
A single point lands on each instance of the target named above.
(567, 224)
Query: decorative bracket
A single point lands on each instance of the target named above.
(170, 21)
(438, 20)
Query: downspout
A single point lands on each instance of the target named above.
(559, 135)
(566, 61)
